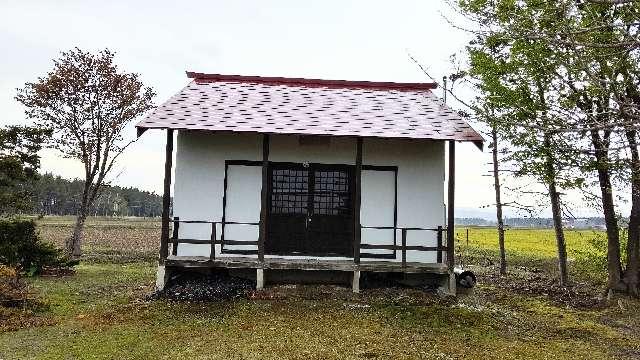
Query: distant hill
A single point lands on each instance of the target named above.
(54, 195)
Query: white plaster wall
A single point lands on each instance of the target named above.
(199, 184)
(376, 209)
(244, 186)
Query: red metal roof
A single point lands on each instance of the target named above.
(279, 105)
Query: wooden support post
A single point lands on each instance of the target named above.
(212, 254)
(166, 198)
(162, 275)
(355, 283)
(264, 196)
(439, 244)
(451, 206)
(259, 279)
(174, 236)
(224, 208)
(404, 248)
(357, 199)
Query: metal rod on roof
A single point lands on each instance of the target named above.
(444, 91)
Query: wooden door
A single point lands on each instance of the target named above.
(310, 210)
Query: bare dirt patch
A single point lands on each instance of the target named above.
(531, 281)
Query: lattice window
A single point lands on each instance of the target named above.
(331, 193)
(290, 191)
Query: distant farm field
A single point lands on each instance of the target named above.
(107, 239)
(141, 235)
(586, 249)
(110, 239)
(540, 242)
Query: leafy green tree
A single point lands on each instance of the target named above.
(516, 85)
(87, 102)
(600, 48)
(570, 68)
(19, 163)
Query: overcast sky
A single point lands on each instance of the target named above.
(352, 40)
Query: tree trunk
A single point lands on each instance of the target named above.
(73, 245)
(556, 210)
(614, 267)
(631, 274)
(551, 175)
(496, 185)
(559, 230)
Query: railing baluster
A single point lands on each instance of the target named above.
(404, 247)
(174, 236)
(212, 255)
(439, 244)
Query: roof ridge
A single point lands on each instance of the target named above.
(376, 85)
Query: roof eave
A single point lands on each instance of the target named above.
(141, 129)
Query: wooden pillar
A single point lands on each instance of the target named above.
(439, 244)
(451, 206)
(212, 253)
(264, 196)
(174, 236)
(166, 198)
(357, 197)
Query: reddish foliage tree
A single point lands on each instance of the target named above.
(87, 102)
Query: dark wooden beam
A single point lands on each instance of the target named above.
(212, 253)
(439, 244)
(451, 206)
(264, 196)
(224, 206)
(395, 210)
(174, 236)
(357, 197)
(166, 198)
(404, 247)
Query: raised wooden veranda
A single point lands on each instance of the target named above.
(282, 263)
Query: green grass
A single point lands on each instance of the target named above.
(101, 313)
(97, 288)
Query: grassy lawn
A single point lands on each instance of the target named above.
(102, 312)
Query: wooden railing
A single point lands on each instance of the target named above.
(402, 247)
(213, 239)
